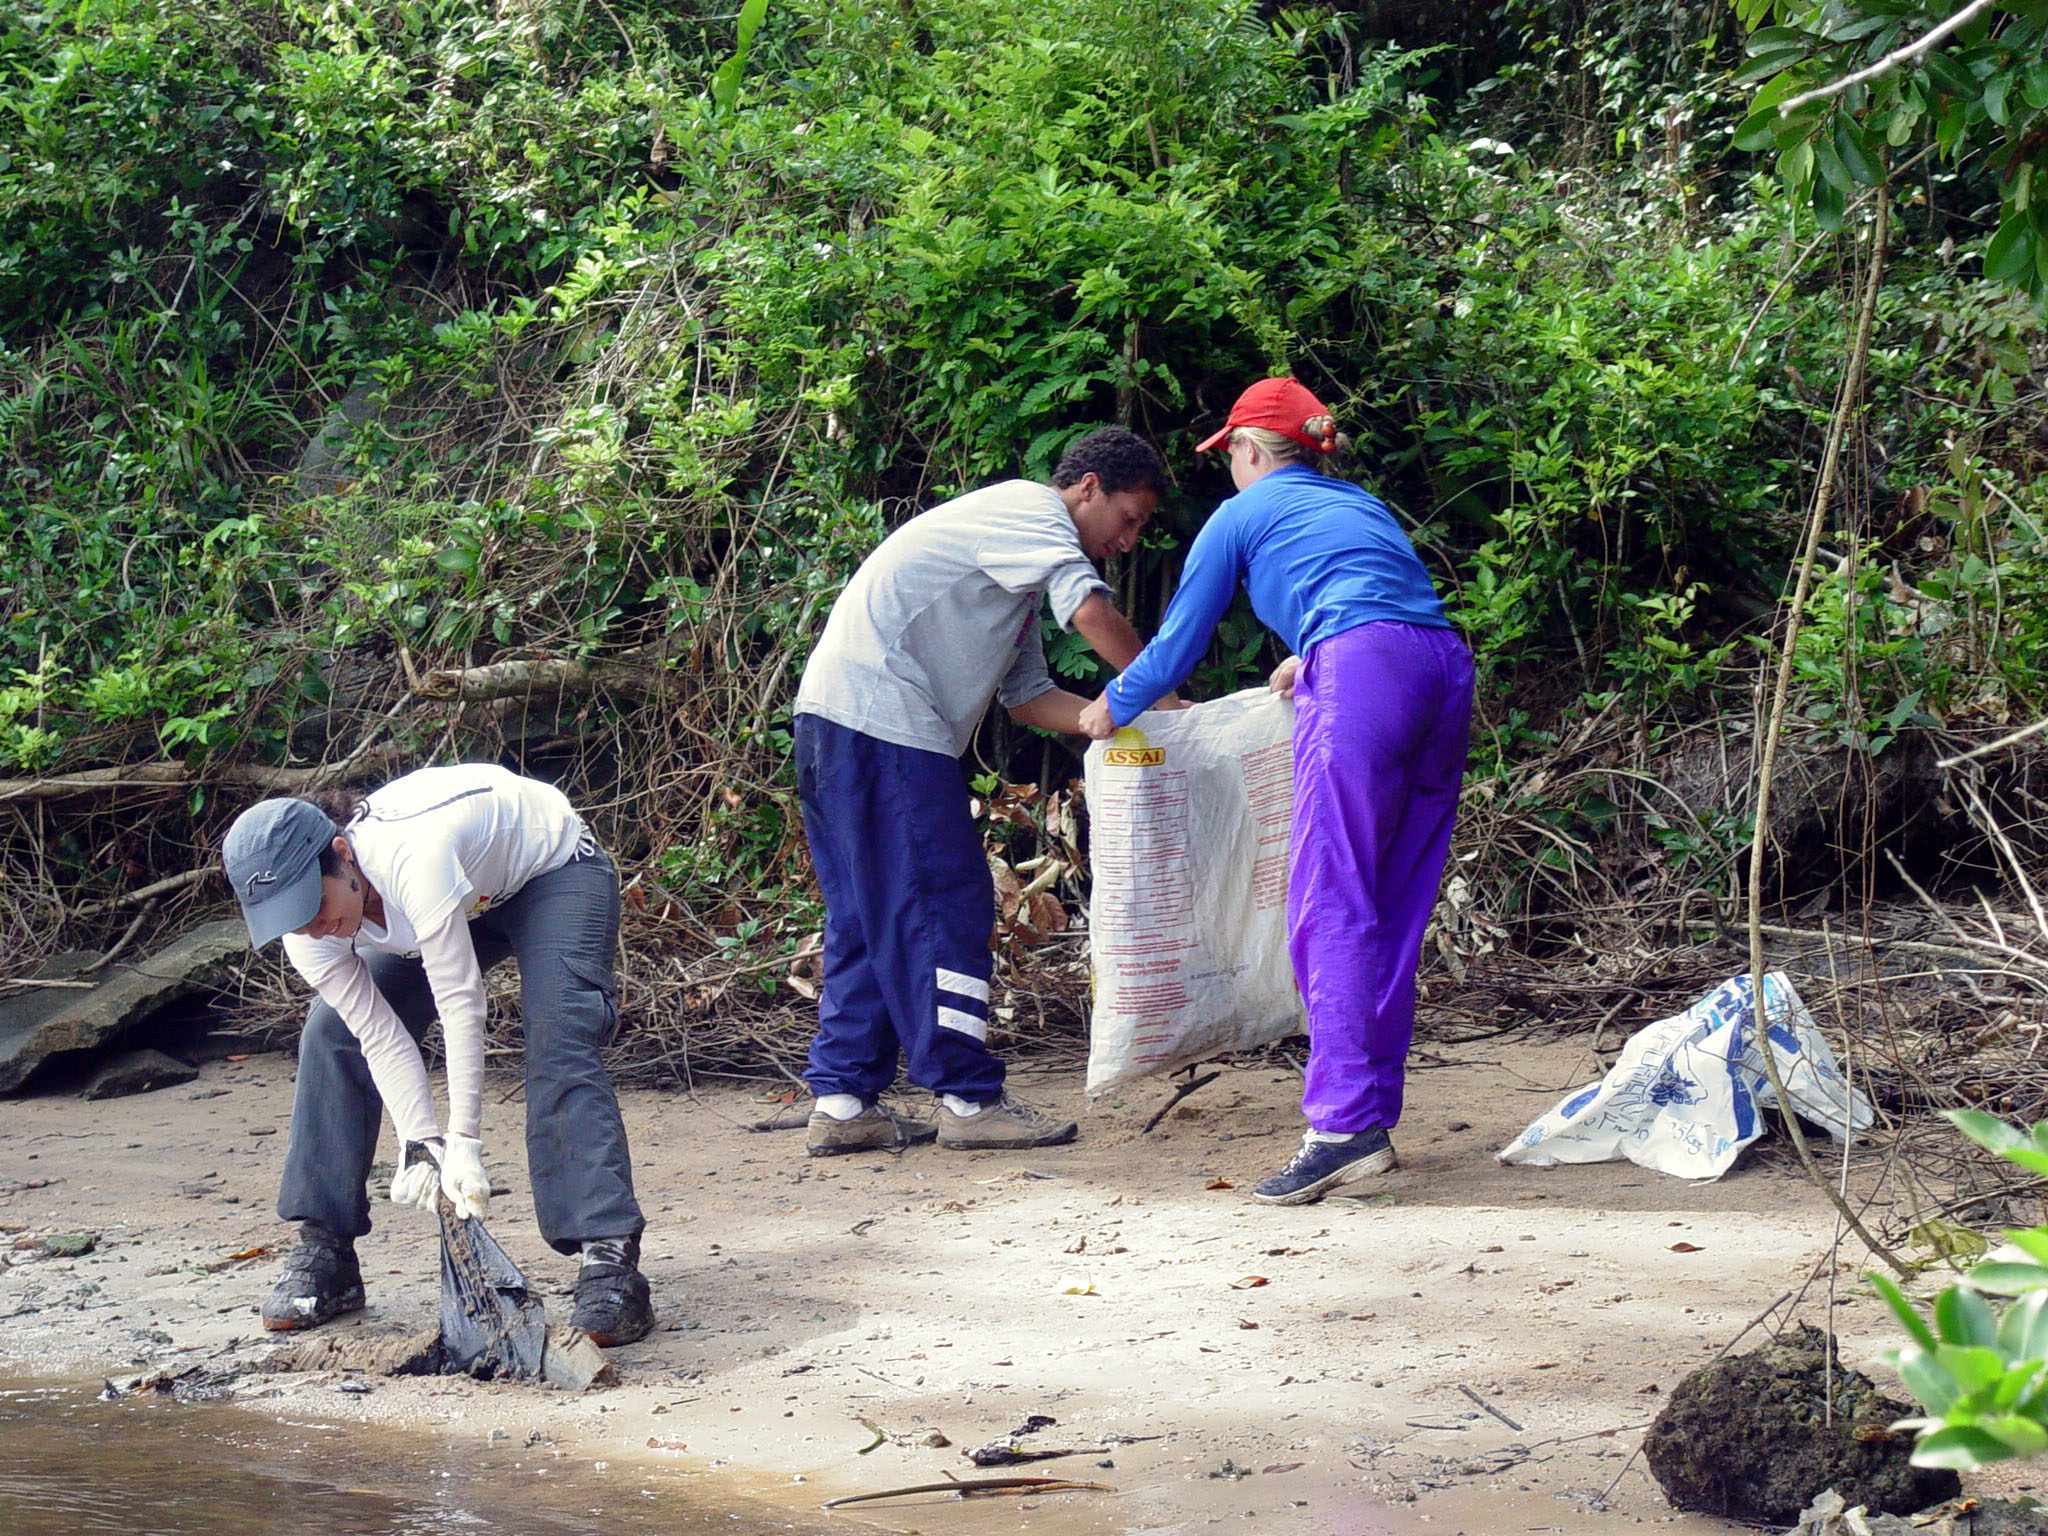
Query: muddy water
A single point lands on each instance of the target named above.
(72, 1465)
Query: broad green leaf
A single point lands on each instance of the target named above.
(1959, 1447)
(2034, 89)
(725, 84)
(1975, 1369)
(1963, 1317)
(2009, 258)
(1830, 166)
(2015, 1386)
(1855, 154)
(1849, 31)
(2033, 1242)
(1928, 1379)
(2008, 1279)
(1757, 131)
(1828, 204)
(1903, 1310)
(1950, 77)
(1988, 1131)
(1994, 97)
(1771, 92)
(2026, 1437)
(1763, 65)
(1795, 167)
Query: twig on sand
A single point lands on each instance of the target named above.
(1483, 1403)
(1179, 1093)
(976, 1488)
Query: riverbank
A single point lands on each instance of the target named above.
(1470, 1347)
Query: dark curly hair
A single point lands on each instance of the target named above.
(1120, 460)
(338, 805)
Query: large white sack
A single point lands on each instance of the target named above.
(1188, 815)
(1689, 1092)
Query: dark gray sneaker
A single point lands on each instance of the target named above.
(321, 1281)
(1321, 1166)
(874, 1129)
(614, 1303)
(1003, 1125)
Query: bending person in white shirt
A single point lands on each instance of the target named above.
(393, 916)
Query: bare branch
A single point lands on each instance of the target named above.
(1999, 745)
(173, 776)
(1889, 62)
(634, 675)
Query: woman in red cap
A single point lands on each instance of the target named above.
(1382, 689)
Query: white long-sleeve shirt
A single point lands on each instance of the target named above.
(439, 845)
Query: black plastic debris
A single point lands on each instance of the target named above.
(492, 1323)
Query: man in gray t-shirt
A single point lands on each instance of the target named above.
(942, 617)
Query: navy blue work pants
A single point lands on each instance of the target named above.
(909, 906)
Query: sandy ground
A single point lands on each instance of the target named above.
(1468, 1348)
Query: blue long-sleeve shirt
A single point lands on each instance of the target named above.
(1318, 556)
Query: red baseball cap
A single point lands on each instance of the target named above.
(1278, 405)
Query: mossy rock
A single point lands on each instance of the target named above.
(1751, 1438)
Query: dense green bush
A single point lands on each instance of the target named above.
(426, 334)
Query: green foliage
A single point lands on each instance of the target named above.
(1979, 98)
(1590, 440)
(1982, 1373)
(345, 337)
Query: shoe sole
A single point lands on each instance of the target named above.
(1350, 1173)
(301, 1325)
(1013, 1144)
(907, 1136)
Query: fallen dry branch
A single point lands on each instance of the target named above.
(976, 1487)
(147, 893)
(176, 776)
(630, 676)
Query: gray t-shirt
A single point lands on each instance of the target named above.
(944, 615)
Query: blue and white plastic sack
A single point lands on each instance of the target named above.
(1688, 1092)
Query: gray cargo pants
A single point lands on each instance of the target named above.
(560, 929)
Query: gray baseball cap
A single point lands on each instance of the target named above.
(272, 854)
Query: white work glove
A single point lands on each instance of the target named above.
(463, 1179)
(418, 1180)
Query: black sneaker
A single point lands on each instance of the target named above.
(321, 1280)
(1321, 1166)
(614, 1304)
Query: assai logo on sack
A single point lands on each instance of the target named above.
(1129, 750)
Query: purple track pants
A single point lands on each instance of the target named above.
(1381, 715)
